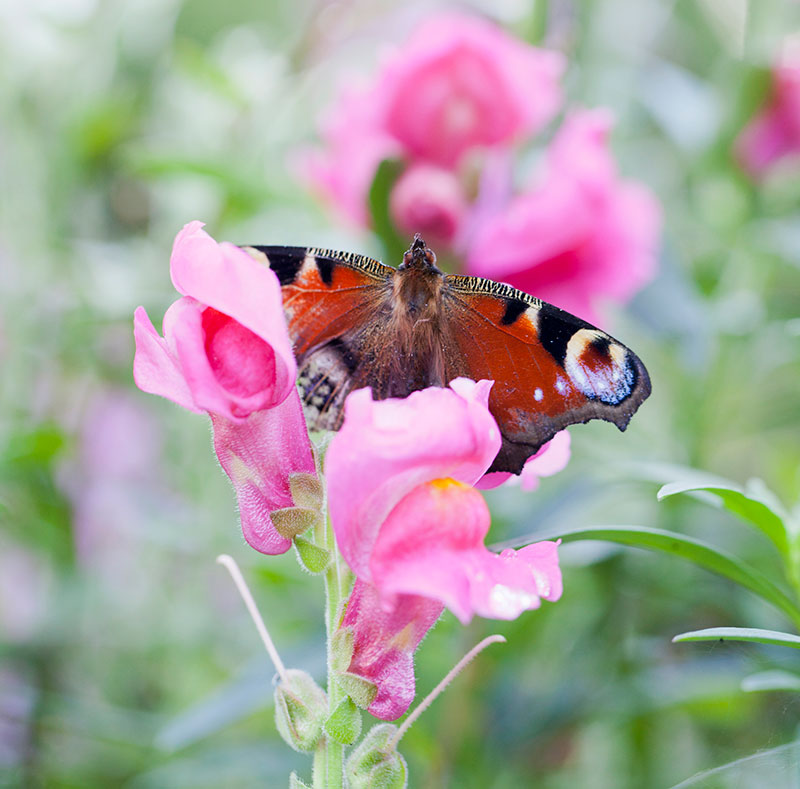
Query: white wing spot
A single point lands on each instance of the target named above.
(538, 395)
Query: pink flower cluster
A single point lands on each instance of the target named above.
(774, 133)
(452, 104)
(400, 473)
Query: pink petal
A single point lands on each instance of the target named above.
(579, 235)
(432, 545)
(470, 84)
(155, 367)
(258, 455)
(550, 459)
(385, 638)
(385, 449)
(226, 278)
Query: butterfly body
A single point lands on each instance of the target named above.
(355, 322)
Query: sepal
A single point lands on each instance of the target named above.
(311, 556)
(342, 648)
(344, 723)
(360, 690)
(374, 764)
(306, 490)
(289, 522)
(296, 783)
(301, 707)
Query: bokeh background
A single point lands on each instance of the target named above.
(126, 658)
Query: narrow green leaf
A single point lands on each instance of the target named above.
(754, 504)
(774, 679)
(741, 634)
(379, 195)
(680, 545)
(344, 723)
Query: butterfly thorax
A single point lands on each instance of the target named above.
(415, 325)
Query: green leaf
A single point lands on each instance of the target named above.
(771, 680)
(741, 634)
(379, 195)
(678, 545)
(755, 504)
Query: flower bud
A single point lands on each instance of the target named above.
(374, 764)
(301, 708)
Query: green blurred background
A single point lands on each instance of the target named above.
(126, 658)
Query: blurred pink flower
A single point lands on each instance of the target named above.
(774, 132)
(550, 459)
(412, 528)
(429, 200)
(580, 236)
(226, 351)
(461, 83)
(356, 144)
(458, 84)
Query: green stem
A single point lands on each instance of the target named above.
(333, 597)
(320, 769)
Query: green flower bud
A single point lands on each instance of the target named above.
(301, 708)
(373, 764)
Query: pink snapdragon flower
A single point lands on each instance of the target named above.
(774, 133)
(226, 351)
(579, 236)
(459, 84)
(412, 528)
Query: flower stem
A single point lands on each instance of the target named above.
(450, 676)
(230, 565)
(334, 757)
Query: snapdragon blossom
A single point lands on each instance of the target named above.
(226, 351)
(459, 84)
(578, 236)
(411, 526)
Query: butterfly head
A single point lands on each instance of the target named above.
(419, 256)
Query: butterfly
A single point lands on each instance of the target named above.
(356, 322)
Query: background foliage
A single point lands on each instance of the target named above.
(125, 657)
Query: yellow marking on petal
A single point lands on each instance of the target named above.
(446, 483)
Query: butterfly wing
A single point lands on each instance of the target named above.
(335, 303)
(550, 368)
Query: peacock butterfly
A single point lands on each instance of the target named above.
(356, 322)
